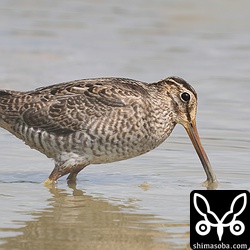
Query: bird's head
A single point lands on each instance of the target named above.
(183, 101)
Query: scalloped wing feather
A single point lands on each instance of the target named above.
(68, 107)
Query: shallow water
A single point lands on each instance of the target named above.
(141, 203)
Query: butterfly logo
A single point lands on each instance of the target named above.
(236, 227)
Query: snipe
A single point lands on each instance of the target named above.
(100, 120)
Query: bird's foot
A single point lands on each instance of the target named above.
(48, 182)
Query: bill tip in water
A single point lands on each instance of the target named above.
(211, 185)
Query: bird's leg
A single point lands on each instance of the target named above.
(74, 172)
(58, 171)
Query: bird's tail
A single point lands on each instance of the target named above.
(8, 107)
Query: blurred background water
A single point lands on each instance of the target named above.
(141, 203)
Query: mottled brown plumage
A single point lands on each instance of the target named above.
(100, 120)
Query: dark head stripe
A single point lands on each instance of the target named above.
(180, 81)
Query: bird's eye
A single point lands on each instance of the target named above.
(185, 96)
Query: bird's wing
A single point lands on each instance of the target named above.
(73, 106)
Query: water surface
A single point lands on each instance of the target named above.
(141, 203)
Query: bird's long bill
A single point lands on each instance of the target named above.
(194, 136)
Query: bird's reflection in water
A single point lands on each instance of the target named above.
(74, 220)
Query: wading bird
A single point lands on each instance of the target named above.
(101, 120)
